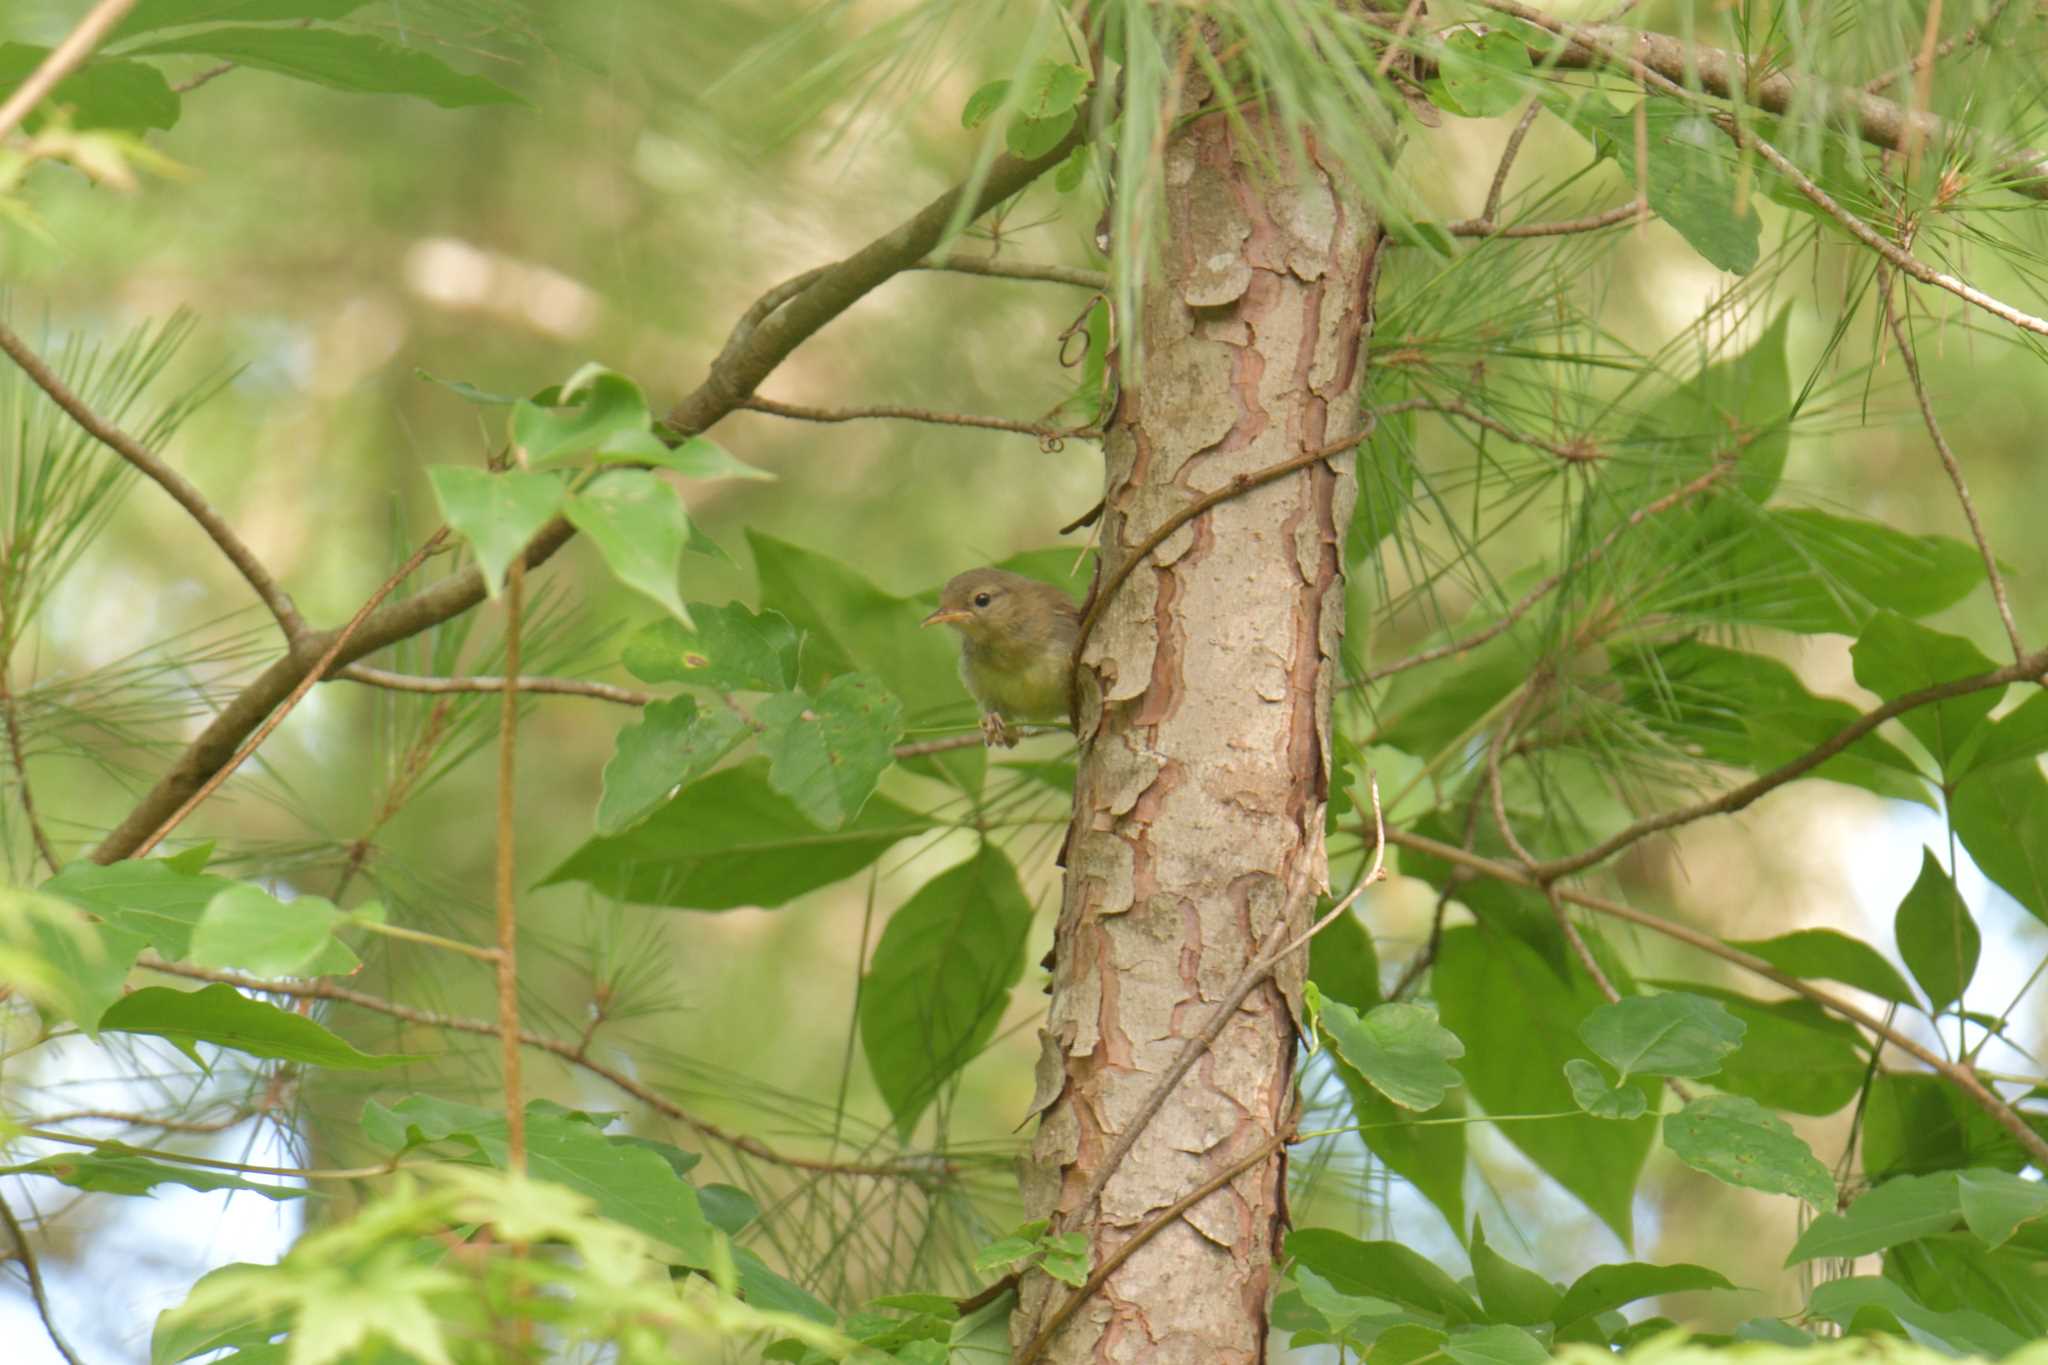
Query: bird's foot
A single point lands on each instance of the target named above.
(995, 731)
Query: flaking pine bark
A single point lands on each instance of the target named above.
(1205, 711)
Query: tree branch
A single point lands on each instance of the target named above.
(35, 1284)
(564, 687)
(12, 722)
(64, 58)
(1486, 227)
(1018, 270)
(1049, 437)
(183, 493)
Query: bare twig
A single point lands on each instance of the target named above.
(12, 722)
(292, 699)
(1581, 450)
(1950, 463)
(1095, 280)
(564, 687)
(1962, 1076)
(35, 1284)
(64, 59)
(1047, 435)
(183, 493)
(1491, 213)
(1925, 58)
(1486, 227)
(321, 989)
(507, 892)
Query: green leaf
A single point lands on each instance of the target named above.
(1671, 1034)
(697, 458)
(1954, 1333)
(1692, 180)
(672, 744)
(1343, 963)
(2019, 734)
(1031, 138)
(1917, 1124)
(941, 979)
(1592, 1093)
(496, 513)
(1383, 1270)
(598, 405)
(224, 1017)
(351, 62)
(70, 966)
(1066, 1259)
(826, 752)
(247, 928)
(1429, 1156)
(1481, 74)
(1514, 1064)
(983, 102)
(1794, 1054)
(1497, 1345)
(155, 14)
(1996, 1204)
(1818, 573)
(1739, 1142)
(129, 97)
(153, 897)
(637, 523)
(1937, 937)
(1956, 1272)
(1386, 487)
(729, 840)
(1051, 88)
(1823, 954)
(1071, 172)
(1607, 1287)
(1899, 1210)
(1895, 656)
(1408, 1344)
(2000, 813)
(767, 1290)
(726, 649)
(113, 1168)
(1401, 1049)
(1509, 1292)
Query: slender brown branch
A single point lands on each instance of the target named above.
(321, 989)
(35, 1284)
(12, 721)
(212, 73)
(1486, 227)
(1580, 450)
(1950, 463)
(64, 59)
(1925, 58)
(1963, 1077)
(292, 699)
(1494, 191)
(2027, 669)
(1144, 1233)
(183, 493)
(506, 886)
(1722, 466)
(1018, 270)
(169, 1125)
(563, 687)
(799, 413)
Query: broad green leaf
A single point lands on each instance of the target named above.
(1497, 1345)
(351, 62)
(1051, 88)
(71, 967)
(729, 840)
(638, 525)
(1815, 572)
(1739, 1142)
(1408, 1344)
(177, 1338)
(1386, 485)
(1692, 181)
(154, 897)
(1509, 1292)
(941, 979)
(1673, 1033)
(1936, 935)
(1401, 1049)
(1341, 1313)
(1955, 1333)
(772, 1292)
(1607, 1287)
(697, 458)
(224, 1017)
(1067, 179)
(1895, 656)
(1825, 955)
(1916, 1124)
(129, 97)
(2020, 733)
(496, 513)
(1383, 1270)
(1343, 963)
(827, 751)
(1592, 1093)
(598, 405)
(113, 1168)
(1897, 1211)
(1956, 1272)
(1996, 1204)
(727, 649)
(2000, 813)
(1749, 711)
(670, 745)
(983, 102)
(1794, 1055)
(1424, 714)
(1430, 1156)
(1481, 74)
(627, 1181)
(155, 14)
(1514, 1064)
(1031, 138)
(250, 930)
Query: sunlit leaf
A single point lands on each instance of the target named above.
(1936, 935)
(671, 744)
(1673, 1033)
(637, 523)
(827, 750)
(496, 513)
(1401, 1049)
(726, 649)
(224, 1017)
(1738, 1141)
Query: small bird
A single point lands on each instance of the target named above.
(1016, 646)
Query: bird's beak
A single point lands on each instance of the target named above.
(946, 616)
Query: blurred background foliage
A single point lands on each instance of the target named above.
(329, 249)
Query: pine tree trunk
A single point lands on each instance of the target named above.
(1199, 806)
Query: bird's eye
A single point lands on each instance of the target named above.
(982, 599)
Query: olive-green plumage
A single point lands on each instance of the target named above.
(1017, 645)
